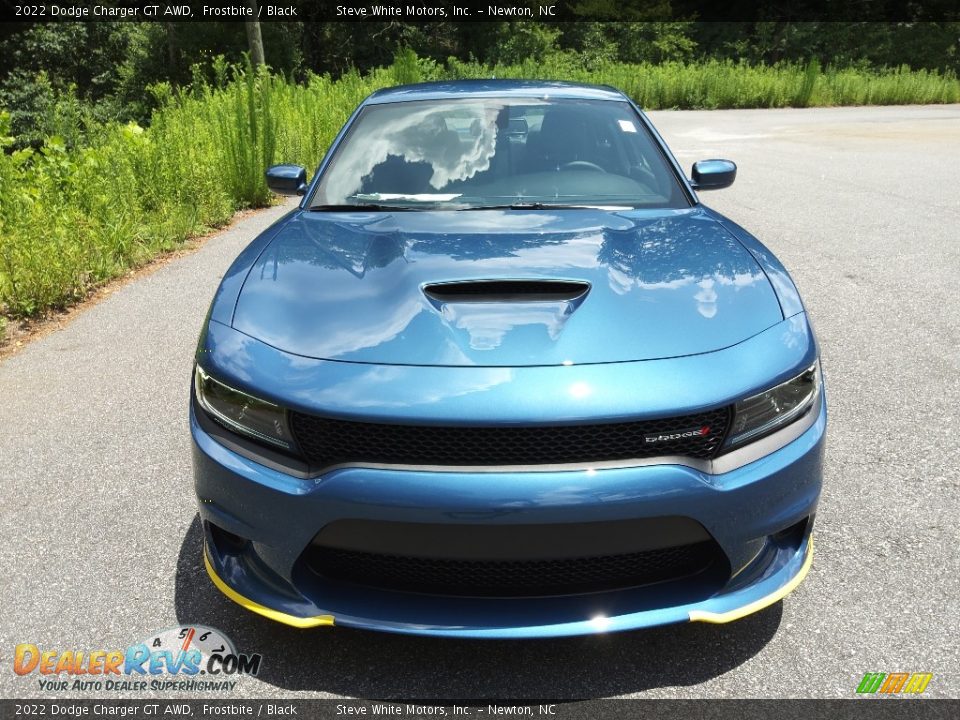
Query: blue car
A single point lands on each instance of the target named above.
(501, 374)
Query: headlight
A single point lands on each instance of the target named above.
(768, 411)
(242, 413)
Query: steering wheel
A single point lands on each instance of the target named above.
(582, 165)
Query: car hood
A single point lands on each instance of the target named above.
(645, 284)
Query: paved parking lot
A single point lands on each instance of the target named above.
(102, 548)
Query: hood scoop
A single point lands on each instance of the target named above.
(506, 291)
(484, 313)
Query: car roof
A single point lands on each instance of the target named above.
(447, 89)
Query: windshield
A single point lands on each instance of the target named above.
(497, 153)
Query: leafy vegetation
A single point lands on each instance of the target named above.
(89, 202)
(104, 68)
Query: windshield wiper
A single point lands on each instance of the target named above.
(546, 206)
(362, 207)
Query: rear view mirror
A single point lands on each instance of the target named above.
(287, 179)
(713, 174)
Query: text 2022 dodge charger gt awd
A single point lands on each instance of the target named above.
(501, 374)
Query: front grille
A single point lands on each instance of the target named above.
(326, 442)
(512, 578)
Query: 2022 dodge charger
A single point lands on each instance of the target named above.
(501, 374)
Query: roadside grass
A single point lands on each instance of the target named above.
(716, 84)
(73, 217)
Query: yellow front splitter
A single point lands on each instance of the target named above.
(694, 615)
(764, 602)
(275, 615)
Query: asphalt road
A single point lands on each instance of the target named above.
(101, 544)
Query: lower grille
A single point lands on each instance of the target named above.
(512, 578)
(326, 442)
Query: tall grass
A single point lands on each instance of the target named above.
(73, 217)
(719, 84)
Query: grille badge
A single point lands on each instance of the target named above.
(679, 435)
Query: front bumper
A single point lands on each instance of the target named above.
(760, 515)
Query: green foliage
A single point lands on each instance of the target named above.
(924, 45)
(519, 42)
(407, 68)
(653, 42)
(106, 67)
(89, 199)
(75, 215)
(718, 84)
(44, 61)
(808, 84)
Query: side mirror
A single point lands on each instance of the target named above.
(287, 179)
(713, 174)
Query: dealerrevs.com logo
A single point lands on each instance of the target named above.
(193, 658)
